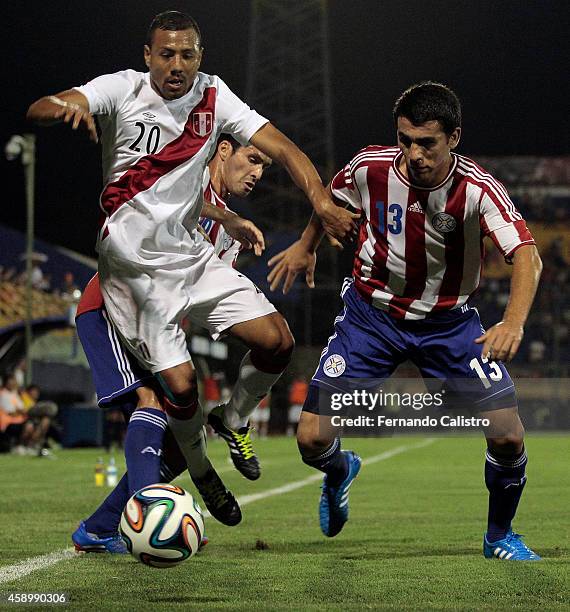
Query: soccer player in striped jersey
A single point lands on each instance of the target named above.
(425, 210)
(151, 453)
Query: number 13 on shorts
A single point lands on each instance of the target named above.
(495, 374)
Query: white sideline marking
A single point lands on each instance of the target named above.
(22, 569)
(292, 486)
(14, 572)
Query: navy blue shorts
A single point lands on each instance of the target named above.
(368, 344)
(115, 371)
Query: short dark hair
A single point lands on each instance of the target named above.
(429, 101)
(172, 20)
(235, 144)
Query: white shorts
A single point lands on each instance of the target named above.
(147, 305)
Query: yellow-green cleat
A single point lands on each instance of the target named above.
(239, 443)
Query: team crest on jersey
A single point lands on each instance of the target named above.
(444, 222)
(202, 123)
(334, 366)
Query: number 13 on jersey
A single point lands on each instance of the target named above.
(391, 218)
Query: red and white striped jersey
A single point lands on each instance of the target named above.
(226, 247)
(154, 155)
(420, 250)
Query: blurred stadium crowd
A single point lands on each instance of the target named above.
(540, 188)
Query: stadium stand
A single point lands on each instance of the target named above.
(13, 304)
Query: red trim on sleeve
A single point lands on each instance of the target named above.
(509, 257)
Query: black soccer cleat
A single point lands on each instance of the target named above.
(220, 502)
(240, 445)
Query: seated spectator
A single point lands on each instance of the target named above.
(10, 400)
(13, 415)
(41, 414)
(25, 418)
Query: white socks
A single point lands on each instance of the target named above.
(192, 442)
(251, 387)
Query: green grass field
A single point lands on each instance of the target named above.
(413, 540)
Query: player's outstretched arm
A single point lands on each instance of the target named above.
(337, 222)
(69, 106)
(237, 227)
(501, 342)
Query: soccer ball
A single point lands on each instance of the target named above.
(162, 525)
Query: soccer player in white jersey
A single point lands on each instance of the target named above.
(418, 260)
(150, 452)
(158, 130)
(234, 170)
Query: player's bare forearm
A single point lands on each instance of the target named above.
(337, 222)
(502, 341)
(250, 236)
(527, 268)
(215, 213)
(275, 144)
(314, 231)
(69, 106)
(312, 234)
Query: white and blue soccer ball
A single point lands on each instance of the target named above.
(162, 525)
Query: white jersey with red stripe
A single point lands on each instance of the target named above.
(420, 250)
(226, 247)
(154, 155)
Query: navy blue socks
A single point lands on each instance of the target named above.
(332, 462)
(505, 479)
(104, 522)
(143, 447)
(143, 452)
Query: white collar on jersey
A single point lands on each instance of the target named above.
(177, 101)
(408, 183)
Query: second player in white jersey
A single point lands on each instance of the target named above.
(226, 246)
